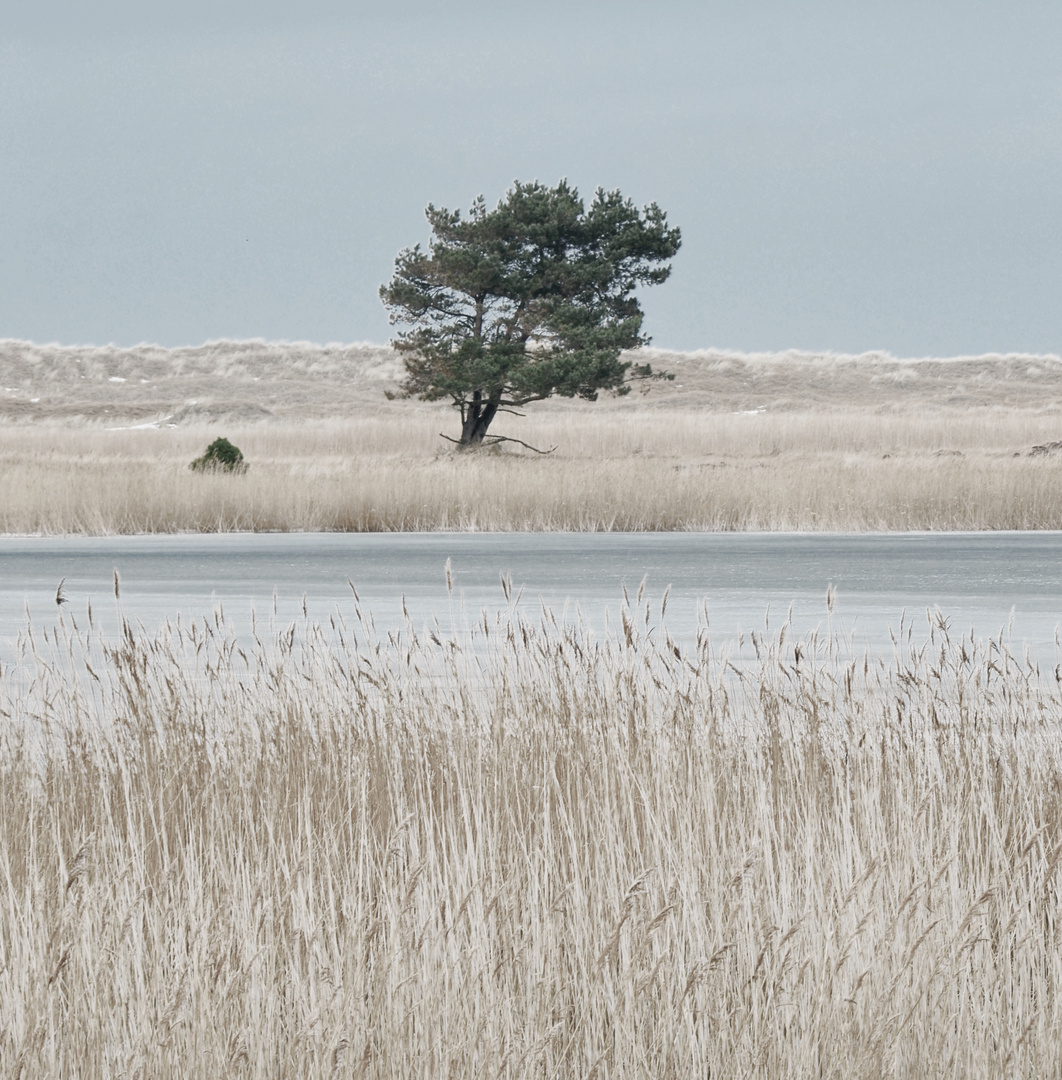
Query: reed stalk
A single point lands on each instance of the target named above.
(525, 850)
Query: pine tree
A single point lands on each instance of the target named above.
(531, 299)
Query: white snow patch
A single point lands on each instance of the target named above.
(151, 425)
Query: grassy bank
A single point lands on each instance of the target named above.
(538, 855)
(614, 469)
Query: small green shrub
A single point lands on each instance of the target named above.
(220, 456)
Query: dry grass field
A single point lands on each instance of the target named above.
(631, 470)
(99, 440)
(535, 854)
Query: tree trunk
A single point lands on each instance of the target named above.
(478, 417)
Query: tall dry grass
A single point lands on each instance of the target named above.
(612, 470)
(529, 854)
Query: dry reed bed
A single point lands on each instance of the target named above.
(613, 470)
(528, 854)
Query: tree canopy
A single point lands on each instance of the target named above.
(531, 299)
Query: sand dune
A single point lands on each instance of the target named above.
(259, 380)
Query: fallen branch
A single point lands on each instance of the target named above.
(506, 438)
(499, 438)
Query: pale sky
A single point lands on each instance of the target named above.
(847, 176)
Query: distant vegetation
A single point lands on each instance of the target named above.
(919, 469)
(99, 440)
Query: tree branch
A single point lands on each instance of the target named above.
(506, 438)
(499, 438)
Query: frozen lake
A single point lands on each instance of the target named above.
(983, 582)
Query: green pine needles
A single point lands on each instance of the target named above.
(531, 299)
(220, 456)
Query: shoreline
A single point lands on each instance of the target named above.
(758, 533)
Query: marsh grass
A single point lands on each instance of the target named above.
(528, 852)
(614, 469)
